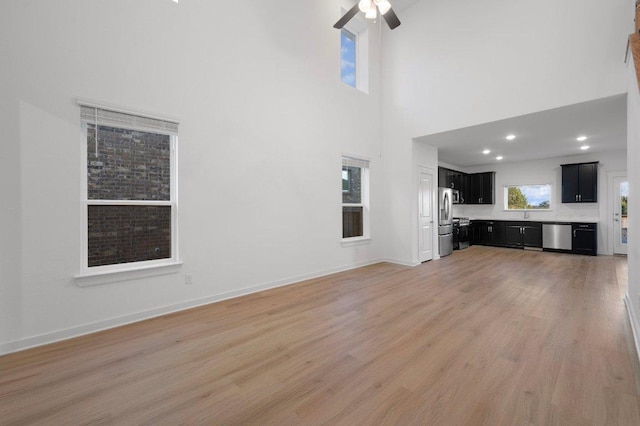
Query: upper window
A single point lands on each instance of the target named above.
(348, 57)
(354, 54)
(129, 213)
(527, 197)
(355, 198)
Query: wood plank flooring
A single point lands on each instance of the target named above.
(486, 336)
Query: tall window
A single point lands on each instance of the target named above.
(348, 57)
(527, 197)
(354, 54)
(129, 193)
(355, 198)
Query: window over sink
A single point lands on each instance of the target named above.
(528, 197)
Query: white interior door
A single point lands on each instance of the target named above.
(425, 214)
(620, 225)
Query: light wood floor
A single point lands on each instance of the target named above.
(486, 336)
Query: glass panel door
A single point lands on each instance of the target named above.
(620, 221)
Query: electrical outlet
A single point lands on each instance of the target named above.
(188, 279)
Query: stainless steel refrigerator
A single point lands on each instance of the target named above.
(445, 222)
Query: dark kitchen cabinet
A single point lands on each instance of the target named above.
(443, 177)
(523, 234)
(481, 188)
(532, 236)
(448, 178)
(585, 238)
(455, 180)
(484, 234)
(580, 183)
(487, 233)
(475, 188)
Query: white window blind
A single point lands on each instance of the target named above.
(108, 117)
(354, 162)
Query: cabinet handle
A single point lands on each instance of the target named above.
(574, 233)
(576, 197)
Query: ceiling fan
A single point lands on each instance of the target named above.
(370, 9)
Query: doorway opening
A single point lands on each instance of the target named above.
(620, 212)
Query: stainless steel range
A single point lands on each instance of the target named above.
(461, 232)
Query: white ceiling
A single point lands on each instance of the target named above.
(545, 134)
(400, 5)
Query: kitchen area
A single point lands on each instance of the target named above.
(457, 189)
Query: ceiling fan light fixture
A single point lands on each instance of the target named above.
(372, 13)
(383, 6)
(365, 5)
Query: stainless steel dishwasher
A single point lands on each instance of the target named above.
(556, 236)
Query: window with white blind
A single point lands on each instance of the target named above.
(355, 198)
(129, 203)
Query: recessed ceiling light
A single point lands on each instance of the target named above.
(511, 137)
(499, 157)
(584, 147)
(581, 138)
(486, 151)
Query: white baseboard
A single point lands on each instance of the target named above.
(69, 333)
(400, 262)
(634, 324)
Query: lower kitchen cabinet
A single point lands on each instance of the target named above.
(487, 233)
(523, 234)
(585, 238)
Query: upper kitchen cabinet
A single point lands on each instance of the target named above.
(481, 188)
(443, 177)
(448, 178)
(454, 179)
(580, 183)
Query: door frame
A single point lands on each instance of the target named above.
(610, 210)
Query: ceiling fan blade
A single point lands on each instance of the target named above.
(347, 17)
(391, 18)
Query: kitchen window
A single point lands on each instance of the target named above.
(355, 198)
(129, 204)
(527, 197)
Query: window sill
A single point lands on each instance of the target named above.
(356, 241)
(106, 277)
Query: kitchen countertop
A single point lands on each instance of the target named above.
(559, 220)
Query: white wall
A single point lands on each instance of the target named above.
(633, 156)
(264, 121)
(549, 171)
(10, 242)
(454, 64)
